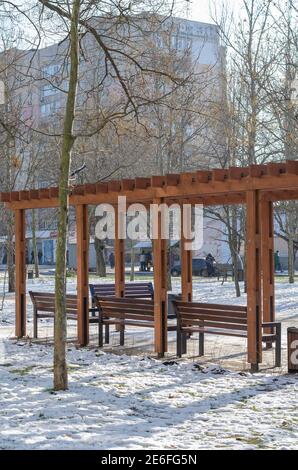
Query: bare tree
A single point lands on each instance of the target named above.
(117, 32)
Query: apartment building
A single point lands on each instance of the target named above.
(38, 79)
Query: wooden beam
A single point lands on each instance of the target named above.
(280, 195)
(186, 265)
(160, 256)
(267, 261)
(274, 178)
(20, 268)
(254, 307)
(119, 253)
(82, 273)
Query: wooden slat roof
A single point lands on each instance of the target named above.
(217, 186)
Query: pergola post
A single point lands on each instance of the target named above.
(119, 253)
(20, 272)
(267, 250)
(186, 264)
(254, 307)
(160, 257)
(82, 274)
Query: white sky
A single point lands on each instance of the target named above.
(200, 9)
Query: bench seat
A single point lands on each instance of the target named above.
(125, 312)
(218, 319)
(44, 307)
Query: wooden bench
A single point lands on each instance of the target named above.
(125, 312)
(136, 290)
(227, 320)
(44, 307)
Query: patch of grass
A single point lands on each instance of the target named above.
(73, 367)
(286, 425)
(254, 408)
(253, 440)
(24, 371)
(120, 385)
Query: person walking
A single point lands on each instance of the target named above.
(277, 263)
(143, 261)
(148, 261)
(112, 260)
(209, 261)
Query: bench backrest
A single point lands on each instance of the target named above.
(142, 290)
(45, 302)
(231, 317)
(132, 309)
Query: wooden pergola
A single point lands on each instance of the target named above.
(257, 186)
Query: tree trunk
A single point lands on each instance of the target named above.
(60, 365)
(236, 273)
(291, 260)
(10, 255)
(101, 270)
(132, 262)
(34, 242)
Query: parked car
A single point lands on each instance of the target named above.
(199, 268)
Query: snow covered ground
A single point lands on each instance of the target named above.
(135, 401)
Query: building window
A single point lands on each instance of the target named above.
(50, 70)
(48, 90)
(50, 108)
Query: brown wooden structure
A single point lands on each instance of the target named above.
(257, 186)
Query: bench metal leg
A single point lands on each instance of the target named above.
(278, 346)
(201, 344)
(107, 334)
(35, 319)
(100, 334)
(122, 332)
(254, 367)
(184, 343)
(179, 344)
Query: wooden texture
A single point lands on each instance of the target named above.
(217, 319)
(135, 290)
(20, 273)
(160, 254)
(267, 178)
(186, 264)
(267, 261)
(257, 185)
(44, 307)
(254, 307)
(119, 255)
(83, 271)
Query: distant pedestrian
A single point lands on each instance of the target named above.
(209, 262)
(39, 257)
(148, 261)
(112, 260)
(143, 261)
(277, 263)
